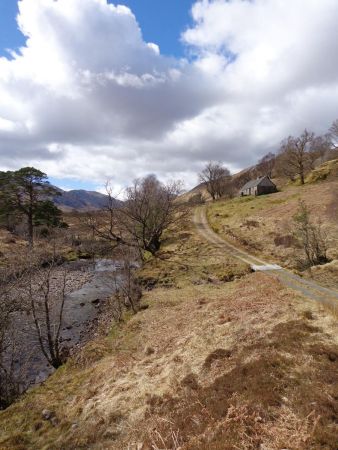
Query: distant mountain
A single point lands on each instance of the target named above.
(81, 200)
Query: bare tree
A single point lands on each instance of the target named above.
(11, 380)
(47, 306)
(311, 237)
(130, 288)
(319, 148)
(334, 134)
(128, 292)
(294, 158)
(149, 209)
(266, 165)
(216, 179)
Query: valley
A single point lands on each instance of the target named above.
(210, 361)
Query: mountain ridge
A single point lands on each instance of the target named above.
(81, 200)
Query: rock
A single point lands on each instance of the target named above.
(47, 414)
(82, 304)
(149, 351)
(96, 302)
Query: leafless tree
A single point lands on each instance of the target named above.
(149, 209)
(266, 165)
(130, 287)
(47, 307)
(196, 199)
(294, 158)
(334, 134)
(311, 237)
(128, 292)
(216, 179)
(319, 148)
(10, 379)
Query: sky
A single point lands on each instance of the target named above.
(161, 22)
(91, 90)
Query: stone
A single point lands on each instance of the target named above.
(47, 414)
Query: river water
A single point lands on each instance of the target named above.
(81, 312)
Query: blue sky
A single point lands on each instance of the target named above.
(10, 36)
(161, 22)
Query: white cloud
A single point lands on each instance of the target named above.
(87, 97)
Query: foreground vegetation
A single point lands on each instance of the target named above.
(209, 363)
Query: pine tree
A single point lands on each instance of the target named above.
(24, 193)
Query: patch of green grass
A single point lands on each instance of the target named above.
(71, 256)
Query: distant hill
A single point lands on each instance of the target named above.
(81, 200)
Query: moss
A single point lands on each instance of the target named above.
(71, 256)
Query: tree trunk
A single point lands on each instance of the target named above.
(154, 245)
(30, 228)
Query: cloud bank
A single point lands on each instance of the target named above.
(88, 98)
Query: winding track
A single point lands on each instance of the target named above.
(314, 291)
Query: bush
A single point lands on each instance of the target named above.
(311, 237)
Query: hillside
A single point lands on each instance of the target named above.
(81, 200)
(264, 225)
(211, 364)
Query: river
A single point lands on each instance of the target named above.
(94, 283)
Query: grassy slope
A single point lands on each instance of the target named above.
(264, 224)
(210, 365)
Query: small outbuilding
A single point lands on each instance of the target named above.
(260, 186)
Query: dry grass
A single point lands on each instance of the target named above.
(326, 171)
(263, 224)
(14, 248)
(210, 365)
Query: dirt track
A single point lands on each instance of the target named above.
(312, 290)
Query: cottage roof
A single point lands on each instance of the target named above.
(252, 183)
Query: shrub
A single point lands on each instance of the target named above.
(311, 237)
